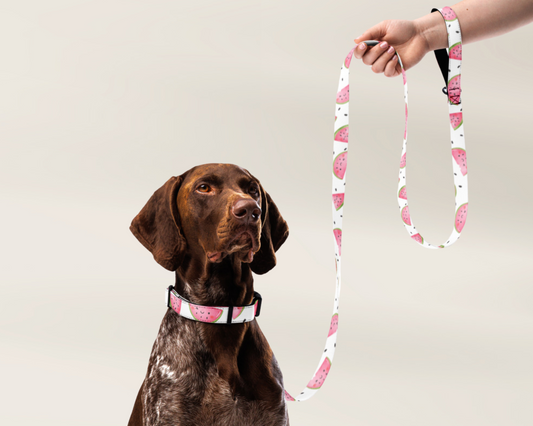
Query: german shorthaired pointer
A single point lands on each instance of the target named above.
(214, 225)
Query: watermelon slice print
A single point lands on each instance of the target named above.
(403, 161)
(334, 324)
(338, 201)
(288, 397)
(204, 313)
(406, 217)
(344, 95)
(348, 59)
(449, 14)
(320, 376)
(459, 155)
(456, 120)
(338, 238)
(402, 193)
(456, 51)
(237, 311)
(418, 238)
(175, 302)
(341, 134)
(339, 165)
(460, 217)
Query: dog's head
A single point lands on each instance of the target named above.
(212, 211)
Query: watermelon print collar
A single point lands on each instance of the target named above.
(340, 156)
(213, 314)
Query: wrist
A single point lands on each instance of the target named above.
(432, 29)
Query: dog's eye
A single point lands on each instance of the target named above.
(204, 188)
(254, 191)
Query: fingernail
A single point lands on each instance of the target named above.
(391, 50)
(394, 58)
(383, 45)
(362, 46)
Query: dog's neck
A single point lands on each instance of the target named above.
(229, 282)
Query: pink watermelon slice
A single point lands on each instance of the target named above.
(337, 233)
(205, 314)
(348, 59)
(402, 193)
(456, 51)
(402, 161)
(175, 301)
(406, 217)
(459, 155)
(288, 397)
(456, 119)
(449, 14)
(344, 95)
(460, 217)
(320, 376)
(418, 238)
(341, 134)
(237, 311)
(339, 165)
(338, 201)
(334, 324)
(454, 90)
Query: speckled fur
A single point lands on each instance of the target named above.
(183, 387)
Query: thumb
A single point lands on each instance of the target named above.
(377, 32)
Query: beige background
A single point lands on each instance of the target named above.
(102, 101)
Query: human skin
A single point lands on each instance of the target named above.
(479, 19)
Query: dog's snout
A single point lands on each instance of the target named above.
(246, 210)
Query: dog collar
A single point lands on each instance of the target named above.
(213, 314)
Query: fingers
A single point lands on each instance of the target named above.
(378, 56)
(393, 68)
(382, 58)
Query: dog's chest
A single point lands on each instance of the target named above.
(183, 386)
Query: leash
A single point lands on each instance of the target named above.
(449, 63)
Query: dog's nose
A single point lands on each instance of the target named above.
(246, 210)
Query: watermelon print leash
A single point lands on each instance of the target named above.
(340, 156)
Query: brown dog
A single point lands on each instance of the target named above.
(213, 225)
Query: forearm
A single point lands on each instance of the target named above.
(479, 19)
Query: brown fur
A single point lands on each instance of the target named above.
(204, 225)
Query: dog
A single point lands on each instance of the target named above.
(214, 225)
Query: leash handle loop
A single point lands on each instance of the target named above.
(453, 61)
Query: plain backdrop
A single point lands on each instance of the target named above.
(102, 101)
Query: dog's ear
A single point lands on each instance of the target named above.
(157, 226)
(274, 233)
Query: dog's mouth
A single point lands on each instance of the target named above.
(244, 243)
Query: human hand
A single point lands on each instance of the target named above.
(405, 37)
